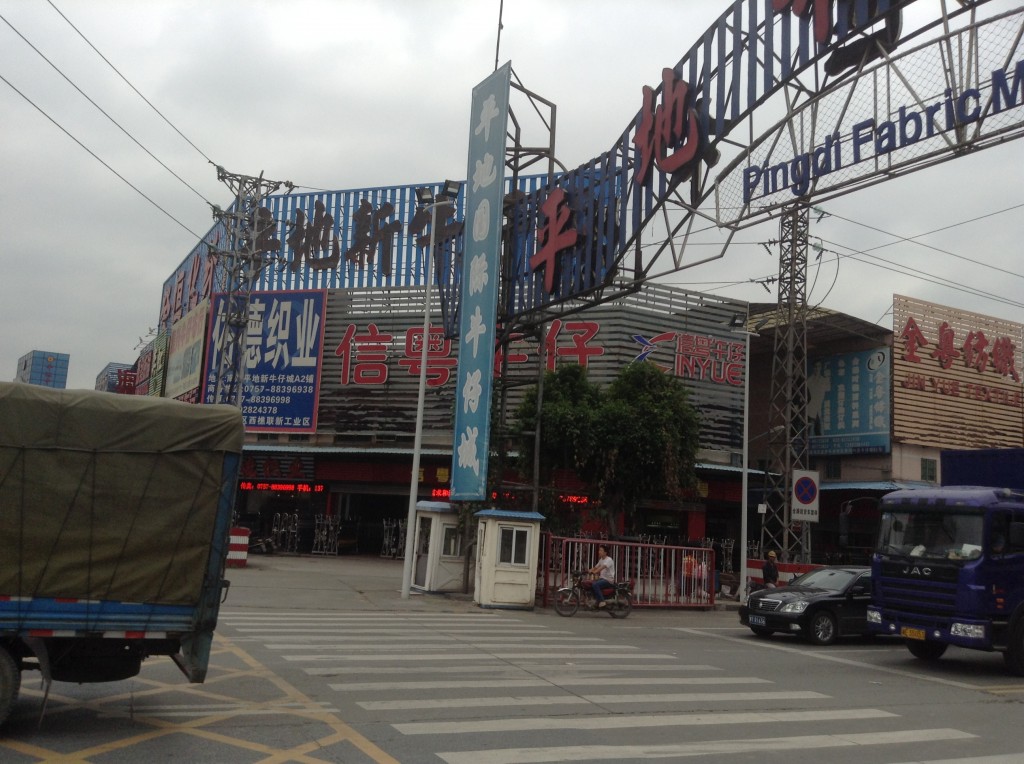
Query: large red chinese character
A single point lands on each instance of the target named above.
(166, 306)
(179, 296)
(554, 236)
(364, 356)
(193, 282)
(671, 125)
(974, 351)
(945, 351)
(820, 9)
(913, 339)
(439, 360)
(584, 331)
(1003, 361)
(516, 355)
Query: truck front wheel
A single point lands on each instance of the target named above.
(1014, 655)
(10, 682)
(926, 651)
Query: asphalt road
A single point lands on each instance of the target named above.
(321, 660)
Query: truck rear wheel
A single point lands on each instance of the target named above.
(10, 683)
(926, 651)
(1014, 655)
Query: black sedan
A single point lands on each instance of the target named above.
(821, 605)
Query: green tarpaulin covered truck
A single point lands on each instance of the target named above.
(114, 519)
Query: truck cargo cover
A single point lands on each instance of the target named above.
(110, 497)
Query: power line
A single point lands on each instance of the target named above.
(129, 84)
(888, 265)
(94, 156)
(913, 239)
(101, 110)
(923, 276)
(154, 108)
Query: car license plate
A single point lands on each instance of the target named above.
(909, 633)
(758, 620)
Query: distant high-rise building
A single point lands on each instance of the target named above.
(41, 367)
(116, 378)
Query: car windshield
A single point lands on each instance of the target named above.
(928, 533)
(832, 579)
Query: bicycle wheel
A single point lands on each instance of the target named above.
(621, 606)
(567, 602)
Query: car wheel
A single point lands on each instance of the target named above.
(760, 632)
(824, 628)
(926, 651)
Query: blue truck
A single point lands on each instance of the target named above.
(948, 568)
(116, 512)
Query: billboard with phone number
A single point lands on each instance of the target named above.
(283, 347)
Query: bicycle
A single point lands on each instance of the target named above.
(569, 599)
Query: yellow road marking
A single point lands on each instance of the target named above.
(303, 707)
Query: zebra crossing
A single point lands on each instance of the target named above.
(503, 688)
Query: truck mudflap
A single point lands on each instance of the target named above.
(194, 656)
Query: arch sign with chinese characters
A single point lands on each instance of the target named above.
(828, 96)
(780, 101)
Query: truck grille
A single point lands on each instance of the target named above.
(913, 597)
(928, 598)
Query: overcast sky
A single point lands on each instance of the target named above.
(342, 94)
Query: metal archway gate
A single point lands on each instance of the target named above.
(793, 101)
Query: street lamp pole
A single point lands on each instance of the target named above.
(427, 201)
(746, 470)
(738, 324)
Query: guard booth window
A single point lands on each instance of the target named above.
(451, 545)
(513, 545)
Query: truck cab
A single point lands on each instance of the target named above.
(948, 569)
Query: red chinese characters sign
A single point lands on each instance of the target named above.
(956, 377)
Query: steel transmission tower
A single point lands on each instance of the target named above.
(251, 245)
(787, 412)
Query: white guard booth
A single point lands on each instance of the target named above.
(437, 561)
(506, 565)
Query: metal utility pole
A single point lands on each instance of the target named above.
(787, 412)
(250, 247)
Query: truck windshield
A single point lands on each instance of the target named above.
(929, 533)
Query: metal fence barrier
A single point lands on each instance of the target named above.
(662, 575)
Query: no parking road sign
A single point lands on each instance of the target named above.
(805, 496)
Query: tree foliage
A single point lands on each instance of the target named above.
(637, 439)
(569, 404)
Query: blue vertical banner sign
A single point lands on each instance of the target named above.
(481, 264)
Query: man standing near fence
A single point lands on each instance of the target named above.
(771, 572)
